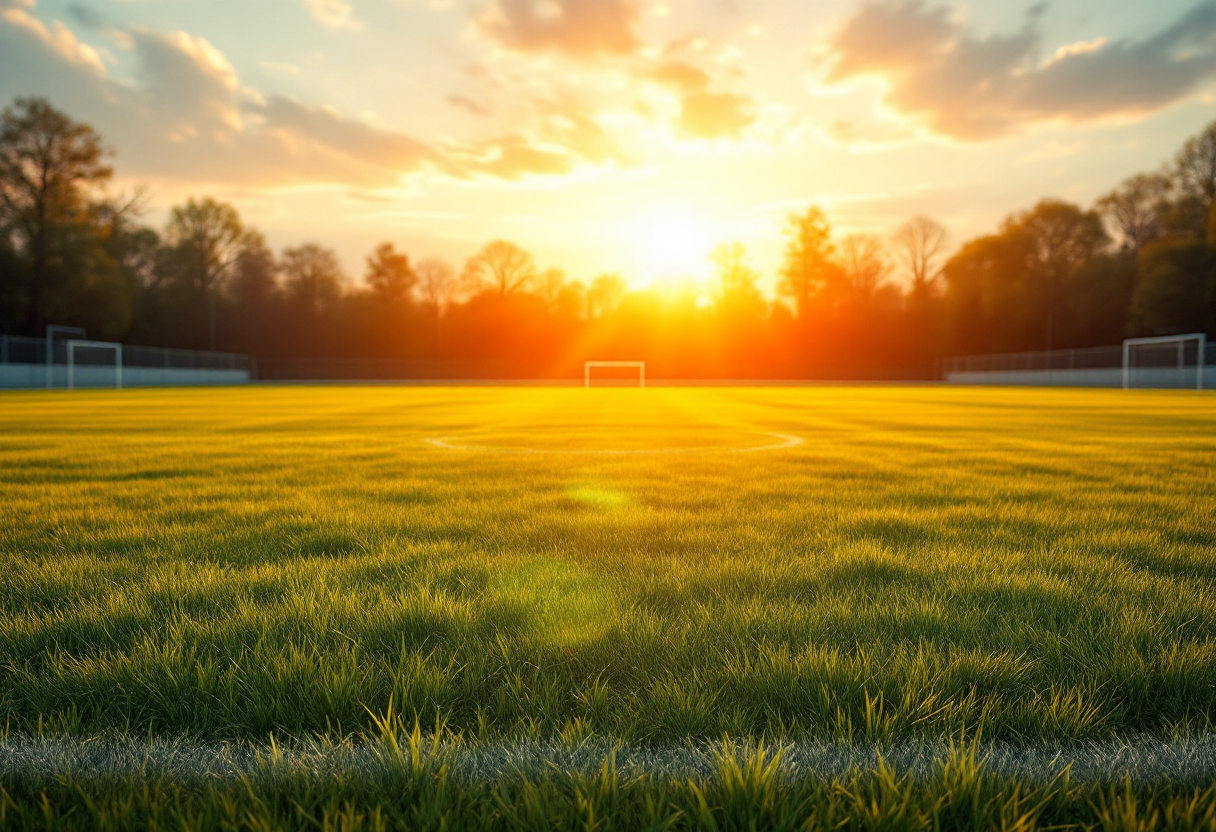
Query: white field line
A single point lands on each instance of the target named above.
(1185, 762)
(785, 441)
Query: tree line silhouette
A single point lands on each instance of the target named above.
(1141, 260)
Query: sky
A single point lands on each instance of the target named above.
(621, 136)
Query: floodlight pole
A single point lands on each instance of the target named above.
(51, 331)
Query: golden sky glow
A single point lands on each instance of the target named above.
(616, 135)
(672, 244)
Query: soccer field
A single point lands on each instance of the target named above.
(549, 571)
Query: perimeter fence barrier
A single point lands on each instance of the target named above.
(457, 370)
(1083, 367)
(24, 360)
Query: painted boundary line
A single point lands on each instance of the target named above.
(1146, 760)
(785, 441)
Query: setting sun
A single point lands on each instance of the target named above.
(672, 245)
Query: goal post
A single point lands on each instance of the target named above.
(73, 346)
(51, 331)
(1165, 358)
(640, 366)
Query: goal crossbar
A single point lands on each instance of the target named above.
(640, 366)
(1181, 340)
(106, 345)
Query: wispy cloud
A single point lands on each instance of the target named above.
(337, 14)
(577, 28)
(937, 72)
(186, 114)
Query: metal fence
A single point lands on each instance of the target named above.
(1091, 358)
(379, 369)
(16, 349)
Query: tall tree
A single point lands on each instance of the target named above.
(920, 247)
(991, 299)
(550, 285)
(736, 290)
(49, 165)
(1134, 210)
(1063, 239)
(863, 266)
(1195, 169)
(437, 282)
(1176, 289)
(605, 295)
(389, 274)
(437, 286)
(254, 291)
(503, 266)
(312, 288)
(808, 258)
(207, 237)
(312, 277)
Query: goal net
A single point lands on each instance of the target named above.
(94, 364)
(618, 371)
(1170, 361)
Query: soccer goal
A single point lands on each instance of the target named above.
(640, 366)
(82, 354)
(1166, 361)
(52, 331)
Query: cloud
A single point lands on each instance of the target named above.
(940, 74)
(714, 115)
(336, 14)
(57, 38)
(468, 105)
(576, 28)
(681, 76)
(184, 114)
(510, 157)
(704, 114)
(371, 145)
(185, 76)
(562, 140)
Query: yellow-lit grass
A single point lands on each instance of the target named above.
(930, 562)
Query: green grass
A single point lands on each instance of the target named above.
(1022, 566)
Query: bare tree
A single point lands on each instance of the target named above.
(920, 247)
(864, 265)
(808, 258)
(503, 266)
(208, 238)
(47, 164)
(436, 287)
(437, 282)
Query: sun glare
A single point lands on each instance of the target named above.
(672, 246)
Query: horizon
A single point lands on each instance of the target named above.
(549, 128)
